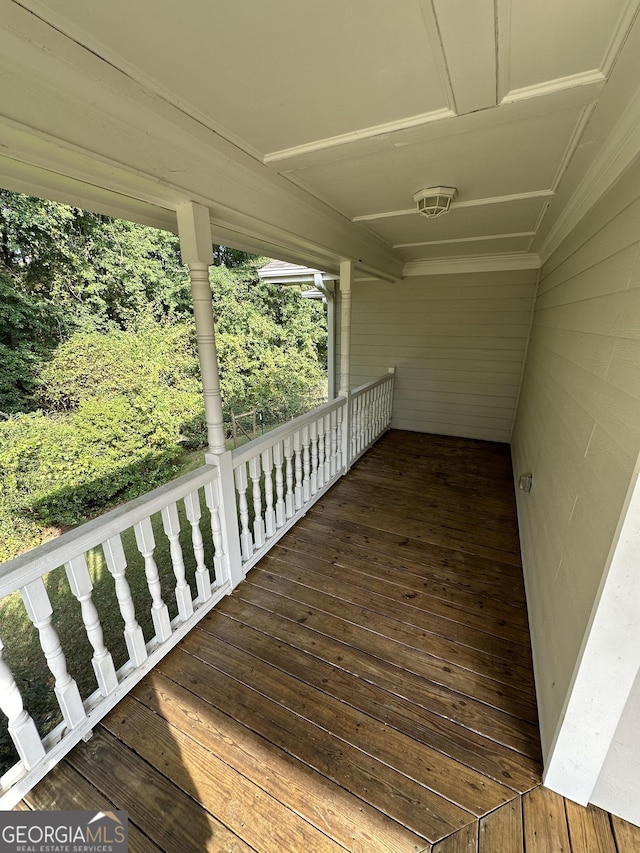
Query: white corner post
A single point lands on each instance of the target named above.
(331, 341)
(604, 675)
(194, 228)
(346, 280)
(328, 289)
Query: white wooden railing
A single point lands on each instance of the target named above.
(252, 495)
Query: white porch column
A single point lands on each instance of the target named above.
(197, 252)
(328, 289)
(346, 277)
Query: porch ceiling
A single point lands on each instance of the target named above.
(307, 128)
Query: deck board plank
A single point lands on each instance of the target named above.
(453, 517)
(342, 816)
(469, 789)
(381, 787)
(161, 810)
(67, 790)
(463, 841)
(589, 829)
(517, 734)
(404, 697)
(497, 693)
(395, 623)
(355, 621)
(626, 834)
(395, 521)
(404, 612)
(502, 829)
(355, 739)
(545, 822)
(467, 593)
(194, 769)
(396, 600)
(440, 559)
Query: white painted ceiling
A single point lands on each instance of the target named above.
(307, 127)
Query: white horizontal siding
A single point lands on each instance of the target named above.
(578, 431)
(457, 342)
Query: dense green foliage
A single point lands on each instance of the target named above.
(98, 367)
(26, 339)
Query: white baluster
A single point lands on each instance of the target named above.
(278, 459)
(340, 462)
(290, 495)
(377, 425)
(364, 419)
(81, 587)
(306, 464)
(354, 427)
(321, 453)
(368, 416)
(258, 521)
(374, 413)
(22, 729)
(269, 513)
(313, 435)
(194, 514)
(297, 450)
(327, 448)
(39, 610)
(383, 406)
(333, 443)
(212, 498)
(159, 613)
(246, 541)
(117, 565)
(171, 524)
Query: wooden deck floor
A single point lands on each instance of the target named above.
(368, 688)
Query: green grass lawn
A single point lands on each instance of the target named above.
(22, 647)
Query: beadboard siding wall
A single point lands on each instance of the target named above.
(578, 431)
(457, 342)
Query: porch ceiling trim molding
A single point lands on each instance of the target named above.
(472, 263)
(618, 153)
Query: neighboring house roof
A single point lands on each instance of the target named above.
(281, 272)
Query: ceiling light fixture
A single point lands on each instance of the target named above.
(434, 201)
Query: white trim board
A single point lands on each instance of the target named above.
(606, 667)
(472, 202)
(473, 263)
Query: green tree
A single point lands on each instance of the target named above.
(100, 273)
(271, 343)
(27, 335)
(97, 333)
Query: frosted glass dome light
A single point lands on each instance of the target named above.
(435, 201)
